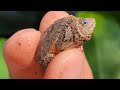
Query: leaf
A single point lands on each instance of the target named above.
(3, 67)
(103, 50)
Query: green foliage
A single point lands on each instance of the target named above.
(103, 50)
(3, 67)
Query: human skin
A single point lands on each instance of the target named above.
(19, 53)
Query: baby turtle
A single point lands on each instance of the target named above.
(65, 33)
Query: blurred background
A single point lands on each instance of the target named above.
(102, 51)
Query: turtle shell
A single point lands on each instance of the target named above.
(51, 40)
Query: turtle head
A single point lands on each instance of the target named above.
(86, 26)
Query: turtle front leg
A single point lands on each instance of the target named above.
(47, 60)
(49, 57)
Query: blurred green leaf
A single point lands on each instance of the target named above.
(3, 67)
(103, 50)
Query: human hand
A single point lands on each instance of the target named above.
(19, 53)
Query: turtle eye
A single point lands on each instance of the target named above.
(84, 22)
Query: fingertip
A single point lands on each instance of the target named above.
(68, 64)
(20, 47)
(19, 51)
(50, 18)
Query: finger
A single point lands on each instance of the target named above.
(50, 18)
(69, 64)
(19, 52)
(87, 72)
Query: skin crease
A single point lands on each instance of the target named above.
(69, 64)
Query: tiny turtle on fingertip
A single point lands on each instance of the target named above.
(65, 33)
